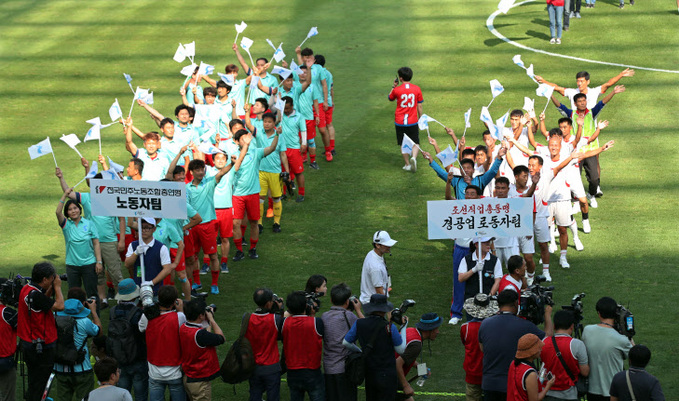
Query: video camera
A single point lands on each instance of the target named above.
(10, 290)
(624, 322)
(352, 301)
(397, 314)
(576, 308)
(313, 300)
(534, 299)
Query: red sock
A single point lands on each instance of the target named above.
(270, 203)
(253, 243)
(332, 144)
(301, 191)
(196, 276)
(326, 149)
(109, 284)
(313, 157)
(239, 244)
(206, 260)
(242, 230)
(225, 259)
(215, 277)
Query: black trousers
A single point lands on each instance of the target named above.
(39, 368)
(338, 388)
(380, 385)
(591, 167)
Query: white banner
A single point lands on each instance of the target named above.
(138, 198)
(488, 217)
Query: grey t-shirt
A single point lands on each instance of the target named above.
(580, 353)
(606, 349)
(110, 393)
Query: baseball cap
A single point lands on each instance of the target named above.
(383, 238)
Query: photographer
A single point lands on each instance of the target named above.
(316, 287)
(8, 346)
(498, 339)
(337, 322)
(381, 381)
(163, 347)
(263, 332)
(606, 349)
(302, 345)
(199, 352)
(426, 329)
(515, 280)
(571, 355)
(480, 274)
(37, 328)
(75, 380)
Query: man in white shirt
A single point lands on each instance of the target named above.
(374, 276)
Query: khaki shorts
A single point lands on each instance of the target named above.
(112, 263)
(198, 391)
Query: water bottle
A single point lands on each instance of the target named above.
(422, 379)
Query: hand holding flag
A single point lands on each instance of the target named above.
(283, 72)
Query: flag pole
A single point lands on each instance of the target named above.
(130, 113)
(491, 102)
(545, 109)
(303, 41)
(53, 157)
(141, 257)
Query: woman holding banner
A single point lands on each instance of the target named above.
(83, 255)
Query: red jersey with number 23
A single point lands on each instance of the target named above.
(407, 97)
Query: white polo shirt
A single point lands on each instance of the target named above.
(374, 274)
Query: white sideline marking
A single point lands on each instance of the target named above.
(491, 28)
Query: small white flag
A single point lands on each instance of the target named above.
(246, 43)
(180, 54)
(189, 69)
(205, 69)
(94, 121)
(228, 79)
(423, 122)
(447, 156)
(528, 104)
(505, 5)
(529, 72)
(42, 148)
(93, 171)
(280, 104)
(128, 78)
(71, 140)
(148, 98)
(253, 82)
(190, 50)
(271, 44)
(502, 121)
(93, 133)
(208, 148)
(110, 175)
(544, 90)
(115, 166)
(279, 55)
(140, 93)
(407, 145)
(114, 111)
(295, 68)
(467, 116)
(517, 60)
(312, 32)
(241, 27)
(485, 116)
(496, 88)
(283, 72)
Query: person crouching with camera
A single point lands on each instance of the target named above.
(426, 329)
(37, 328)
(199, 352)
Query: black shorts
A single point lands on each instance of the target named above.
(413, 132)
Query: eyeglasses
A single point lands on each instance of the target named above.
(147, 228)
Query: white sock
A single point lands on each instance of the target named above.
(563, 253)
(545, 267)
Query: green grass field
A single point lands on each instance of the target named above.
(62, 64)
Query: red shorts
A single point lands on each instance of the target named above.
(181, 266)
(310, 129)
(321, 116)
(128, 240)
(189, 245)
(294, 161)
(328, 115)
(205, 236)
(249, 203)
(225, 222)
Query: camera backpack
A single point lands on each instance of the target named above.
(121, 342)
(239, 363)
(67, 353)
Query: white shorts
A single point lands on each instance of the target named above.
(561, 211)
(504, 253)
(575, 184)
(541, 228)
(526, 245)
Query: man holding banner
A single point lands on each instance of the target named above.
(408, 111)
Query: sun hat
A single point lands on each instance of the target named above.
(383, 238)
(378, 303)
(74, 308)
(127, 290)
(429, 321)
(480, 306)
(529, 345)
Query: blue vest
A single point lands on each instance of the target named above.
(152, 265)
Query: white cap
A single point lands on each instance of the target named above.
(482, 239)
(383, 238)
(149, 220)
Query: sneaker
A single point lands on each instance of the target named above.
(214, 290)
(566, 28)
(586, 228)
(314, 166)
(204, 269)
(224, 268)
(300, 199)
(552, 41)
(577, 15)
(261, 228)
(328, 156)
(631, 2)
(269, 213)
(406, 167)
(276, 227)
(333, 153)
(599, 193)
(253, 253)
(621, 6)
(552, 247)
(413, 164)
(571, 15)
(545, 274)
(592, 201)
(454, 320)
(238, 256)
(245, 242)
(103, 304)
(196, 287)
(558, 41)
(111, 294)
(563, 262)
(578, 244)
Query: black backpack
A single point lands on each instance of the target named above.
(239, 363)
(121, 342)
(67, 353)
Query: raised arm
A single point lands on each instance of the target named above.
(248, 121)
(210, 81)
(616, 90)
(521, 147)
(435, 144)
(627, 72)
(241, 60)
(450, 132)
(155, 115)
(449, 186)
(298, 52)
(543, 128)
(584, 155)
(129, 145)
(222, 172)
(557, 88)
(170, 170)
(269, 149)
(60, 207)
(600, 125)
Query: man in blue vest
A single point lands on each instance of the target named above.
(157, 262)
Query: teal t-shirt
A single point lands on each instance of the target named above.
(170, 149)
(293, 93)
(328, 81)
(317, 75)
(270, 81)
(166, 232)
(107, 226)
(258, 125)
(271, 163)
(201, 197)
(238, 93)
(306, 103)
(224, 190)
(246, 180)
(292, 125)
(189, 92)
(78, 238)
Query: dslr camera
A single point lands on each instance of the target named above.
(397, 313)
(534, 299)
(10, 290)
(352, 303)
(624, 322)
(576, 308)
(212, 308)
(278, 305)
(313, 300)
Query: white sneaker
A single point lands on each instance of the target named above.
(578, 244)
(529, 279)
(548, 278)
(563, 262)
(586, 228)
(552, 41)
(592, 201)
(558, 41)
(552, 247)
(454, 320)
(413, 164)
(599, 192)
(406, 167)
(576, 208)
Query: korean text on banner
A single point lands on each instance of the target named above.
(491, 217)
(138, 199)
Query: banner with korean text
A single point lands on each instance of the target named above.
(488, 217)
(138, 199)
